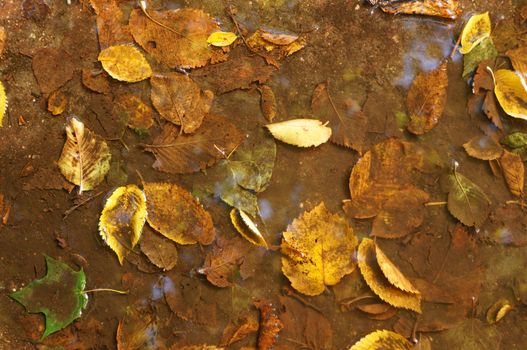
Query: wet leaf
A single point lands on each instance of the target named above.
(52, 68)
(485, 50)
(110, 27)
(159, 250)
(3, 39)
(221, 39)
(3, 103)
(125, 63)
(268, 102)
(179, 100)
(426, 99)
(515, 140)
(95, 81)
(58, 295)
(247, 228)
(472, 335)
(122, 219)
(85, 158)
(57, 102)
(477, 28)
(184, 44)
(180, 154)
(518, 58)
(490, 108)
(382, 340)
(511, 93)
(270, 325)
(177, 215)
(236, 331)
(514, 172)
(466, 201)
(275, 46)
(385, 279)
(300, 132)
(220, 262)
(483, 147)
(316, 250)
(136, 112)
(137, 330)
(498, 310)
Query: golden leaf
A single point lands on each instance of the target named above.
(301, 132)
(122, 219)
(519, 62)
(57, 102)
(478, 27)
(380, 284)
(132, 109)
(3, 103)
(317, 249)
(511, 93)
(498, 310)
(221, 39)
(513, 171)
(277, 45)
(247, 228)
(85, 158)
(177, 215)
(392, 273)
(382, 340)
(125, 63)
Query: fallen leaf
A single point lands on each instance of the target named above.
(498, 310)
(472, 335)
(317, 249)
(301, 132)
(477, 28)
(514, 172)
(518, 58)
(95, 81)
(181, 154)
(159, 250)
(515, 140)
(377, 311)
(348, 127)
(270, 325)
(247, 228)
(382, 340)
(466, 201)
(134, 111)
(125, 63)
(483, 147)
(385, 279)
(137, 330)
(122, 219)
(3, 103)
(57, 102)
(426, 99)
(236, 331)
(52, 68)
(484, 51)
(274, 46)
(221, 39)
(446, 9)
(3, 39)
(184, 44)
(85, 157)
(110, 27)
(179, 100)
(519, 288)
(490, 108)
(225, 256)
(511, 93)
(59, 295)
(177, 215)
(267, 102)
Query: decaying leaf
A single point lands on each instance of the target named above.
(221, 39)
(247, 228)
(161, 251)
(446, 8)
(466, 200)
(382, 340)
(3, 39)
(385, 279)
(125, 63)
(498, 310)
(57, 102)
(515, 140)
(268, 102)
(301, 132)
(513, 171)
(110, 27)
(137, 329)
(275, 46)
(179, 100)
(134, 111)
(85, 158)
(317, 249)
(377, 311)
(426, 99)
(483, 147)
(484, 51)
(122, 219)
(183, 43)
(476, 29)
(180, 154)
(95, 81)
(473, 334)
(511, 93)
(59, 295)
(3, 103)
(175, 213)
(270, 325)
(518, 58)
(52, 68)
(236, 331)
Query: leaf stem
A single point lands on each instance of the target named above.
(105, 290)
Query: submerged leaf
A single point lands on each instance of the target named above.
(85, 158)
(221, 261)
(58, 295)
(122, 219)
(161, 251)
(513, 171)
(301, 132)
(247, 228)
(472, 334)
(483, 52)
(137, 330)
(445, 8)
(268, 102)
(317, 249)
(382, 340)
(476, 29)
(511, 93)
(125, 63)
(519, 62)
(515, 140)
(221, 39)
(498, 310)
(483, 147)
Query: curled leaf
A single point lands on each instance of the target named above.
(57, 102)
(476, 29)
(511, 93)
(498, 310)
(382, 340)
(125, 63)
(301, 132)
(221, 39)
(247, 228)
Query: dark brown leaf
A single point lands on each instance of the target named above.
(161, 251)
(52, 68)
(483, 147)
(235, 331)
(270, 325)
(513, 171)
(491, 110)
(221, 261)
(95, 82)
(110, 27)
(268, 102)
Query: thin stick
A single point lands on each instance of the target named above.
(72, 209)
(430, 204)
(455, 47)
(105, 290)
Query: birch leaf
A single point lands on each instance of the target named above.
(125, 63)
(301, 132)
(513, 171)
(122, 219)
(221, 39)
(3, 103)
(511, 93)
(85, 158)
(519, 62)
(478, 27)
(382, 340)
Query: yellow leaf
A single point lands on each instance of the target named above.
(317, 249)
(519, 62)
(382, 340)
(510, 93)
(125, 62)
(122, 219)
(476, 29)
(85, 158)
(177, 215)
(221, 39)
(379, 275)
(3, 103)
(301, 132)
(247, 228)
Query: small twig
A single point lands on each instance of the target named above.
(72, 209)
(105, 290)
(292, 294)
(430, 204)
(455, 47)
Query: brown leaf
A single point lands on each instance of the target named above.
(52, 68)
(446, 8)
(3, 39)
(426, 99)
(236, 331)
(185, 45)
(136, 330)
(57, 102)
(220, 262)
(490, 108)
(132, 110)
(513, 171)
(274, 47)
(179, 100)
(159, 250)
(268, 102)
(181, 154)
(483, 147)
(236, 73)
(95, 82)
(110, 27)
(482, 78)
(270, 325)
(348, 127)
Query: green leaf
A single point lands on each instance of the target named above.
(515, 140)
(58, 295)
(485, 50)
